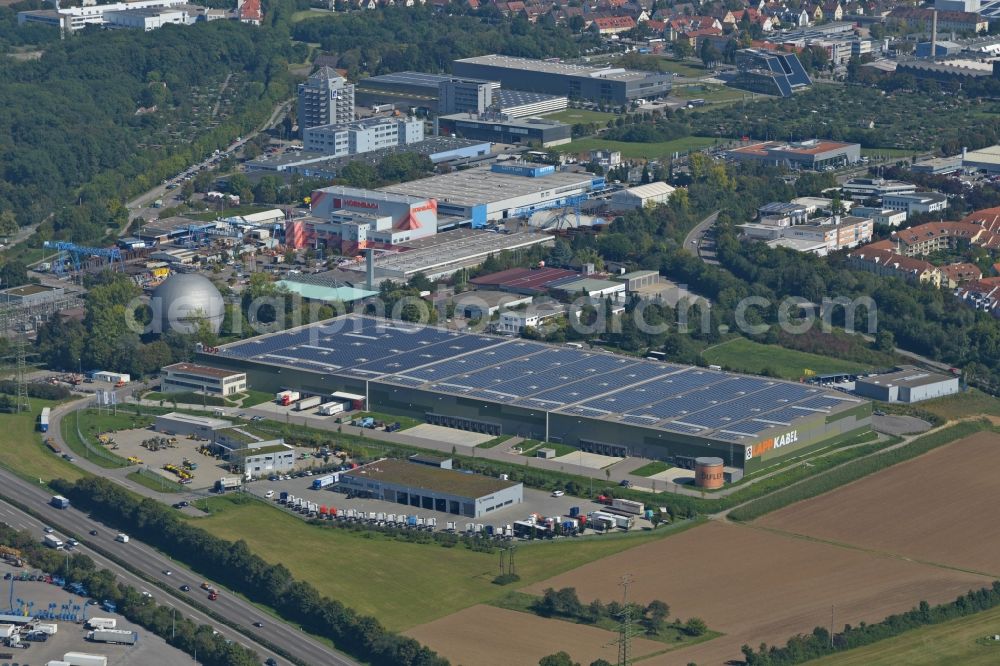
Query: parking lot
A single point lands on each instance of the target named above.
(71, 636)
(535, 502)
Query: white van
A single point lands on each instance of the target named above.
(123, 538)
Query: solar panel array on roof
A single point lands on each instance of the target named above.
(531, 375)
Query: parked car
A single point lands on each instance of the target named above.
(558, 493)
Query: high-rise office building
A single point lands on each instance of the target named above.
(326, 98)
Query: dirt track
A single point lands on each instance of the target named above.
(940, 507)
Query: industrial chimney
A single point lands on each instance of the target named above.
(934, 35)
(370, 269)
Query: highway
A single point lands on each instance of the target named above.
(152, 564)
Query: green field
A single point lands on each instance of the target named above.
(186, 398)
(709, 93)
(23, 450)
(93, 424)
(253, 397)
(496, 441)
(529, 447)
(938, 645)
(309, 13)
(573, 116)
(403, 584)
(969, 403)
(647, 151)
(745, 355)
(651, 468)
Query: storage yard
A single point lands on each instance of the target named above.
(596, 401)
(949, 493)
(71, 636)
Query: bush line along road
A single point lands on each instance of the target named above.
(152, 564)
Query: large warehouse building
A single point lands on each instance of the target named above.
(907, 384)
(597, 84)
(433, 488)
(498, 128)
(600, 402)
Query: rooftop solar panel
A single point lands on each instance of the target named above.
(542, 377)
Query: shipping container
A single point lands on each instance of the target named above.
(102, 623)
(117, 636)
(628, 506)
(84, 659)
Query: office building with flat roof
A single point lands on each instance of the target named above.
(497, 128)
(362, 136)
(184, 377)
(326, 98)
(599, 84)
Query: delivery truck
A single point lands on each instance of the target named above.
(285, 398)
(628, 506)
(52, 541)
(227, 483)
(59, 502)
(330, 408)
(308, 403)
(117, 636)
(43, 420)
(325, 481)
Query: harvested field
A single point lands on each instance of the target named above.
(940, 507)
(756, 585)
(488, 636)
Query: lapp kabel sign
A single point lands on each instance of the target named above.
(762, 447)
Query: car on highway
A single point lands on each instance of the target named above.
(258, 624)
(168, 572)
(185, 588)
(271, 662)
(93, 532)
(72, 543)
(48, 530)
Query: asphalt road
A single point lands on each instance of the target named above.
(696, 242)
(75, 523)
(17, 519)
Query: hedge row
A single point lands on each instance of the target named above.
(804, 648)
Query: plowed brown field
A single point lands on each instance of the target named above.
(488, 636)
(940, 507)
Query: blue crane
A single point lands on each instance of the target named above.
(74, 253)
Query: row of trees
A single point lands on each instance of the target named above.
(804, 648)
(653, 617)
(211, 648)
(234, 565)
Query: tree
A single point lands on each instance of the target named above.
(656, 616)
(885, 341)
(558, 659)
(13, 273)
(695, 627)
(8, 223)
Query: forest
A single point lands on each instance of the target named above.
(72, 131)
(419, 38)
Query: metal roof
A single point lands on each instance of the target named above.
(711, 404)
(415, 475)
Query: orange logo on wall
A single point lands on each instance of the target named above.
(765, 445)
